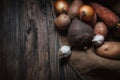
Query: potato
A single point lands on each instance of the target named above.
(109, 50)
(74, 8)
(62, 22)
(100, 28)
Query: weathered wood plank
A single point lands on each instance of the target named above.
(2, 55)
(64, 71)
(36, 52)
(29, 42)
(53, 40)
(9, 40)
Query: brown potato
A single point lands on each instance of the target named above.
(100, 28)
(74, 8)
(62, 22)
(109, 50)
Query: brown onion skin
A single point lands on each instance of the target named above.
(62, 22)
(86, 13)
(101, 28)
(61, 6)
(93, 21)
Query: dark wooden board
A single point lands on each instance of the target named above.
(29, 42)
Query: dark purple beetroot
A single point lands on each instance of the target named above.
(80, 34)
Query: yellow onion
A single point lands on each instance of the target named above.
(86, 13)
(61, 6)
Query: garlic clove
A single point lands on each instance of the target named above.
(98, 40)
(64, 51)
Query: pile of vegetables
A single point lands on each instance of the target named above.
(90, 24)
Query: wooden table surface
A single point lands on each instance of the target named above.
(29, 42)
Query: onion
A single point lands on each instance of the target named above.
(86, 13)
(61, 6)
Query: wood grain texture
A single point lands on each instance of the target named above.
(29, 42)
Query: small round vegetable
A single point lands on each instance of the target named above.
(62, 22)
(98, 40)
(100, 28)
(109, 50)
(74, 8)
(86, 13)
(80, 34)
(64, 51)
(61, 6)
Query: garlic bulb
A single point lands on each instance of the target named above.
(64, 51)
(98, 40)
